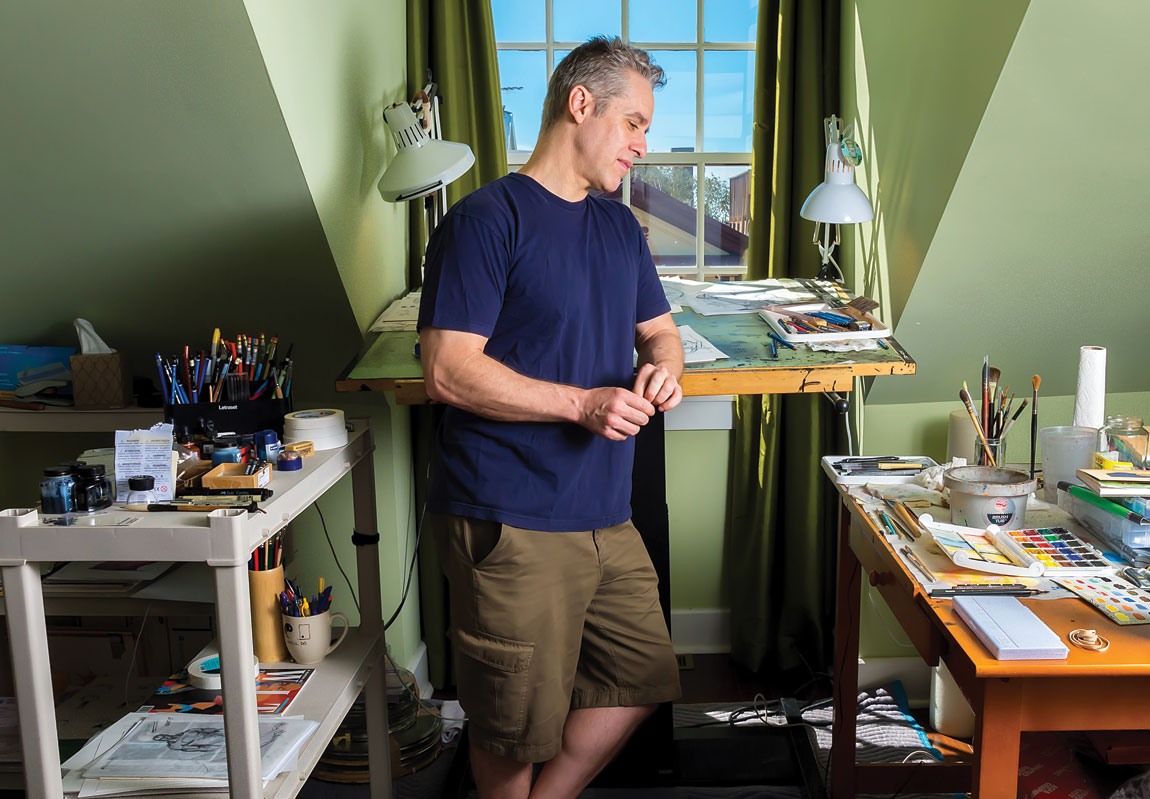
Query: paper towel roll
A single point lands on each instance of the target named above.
(1090, 398)
(961, 440)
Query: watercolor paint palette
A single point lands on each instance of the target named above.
(1059, 551)
(971, 548)
(1118, 599)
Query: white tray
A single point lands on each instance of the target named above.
(877, 330)
(828, 462)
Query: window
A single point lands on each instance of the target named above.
(696, 175)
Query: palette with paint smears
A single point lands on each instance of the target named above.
(1059, 551)
(1120, 601)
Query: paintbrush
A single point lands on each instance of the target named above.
(964, 395)
(985, 394)
(993, 373)
(1035, 381)
(1013, 418)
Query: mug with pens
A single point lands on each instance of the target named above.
(265, 576)
(307, 622)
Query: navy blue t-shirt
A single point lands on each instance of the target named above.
(557, 288)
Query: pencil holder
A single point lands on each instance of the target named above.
(264, 587)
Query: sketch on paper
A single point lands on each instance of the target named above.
(181, 746)
(697, 349)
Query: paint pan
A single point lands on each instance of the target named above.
(983, 495)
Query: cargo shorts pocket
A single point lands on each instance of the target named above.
(493, 681)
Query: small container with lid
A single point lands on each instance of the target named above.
(57, 490)
(140, 490)
(94, 490)
(267, 445)
(1123, 438)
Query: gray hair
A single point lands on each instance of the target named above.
(601, 65)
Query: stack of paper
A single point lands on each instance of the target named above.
(146, 754)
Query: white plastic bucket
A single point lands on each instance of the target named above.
(984, 495)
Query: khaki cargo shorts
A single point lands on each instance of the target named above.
(543, 623)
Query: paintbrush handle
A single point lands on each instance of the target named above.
(978, 429)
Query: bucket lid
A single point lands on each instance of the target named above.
(989, 481)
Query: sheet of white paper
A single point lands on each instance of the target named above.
(170, 745)
(697, 349)
(148, 451)
(403, 314)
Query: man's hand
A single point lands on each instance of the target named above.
(614, 413)
(658, 385)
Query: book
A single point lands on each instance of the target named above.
(1123, 483)
(275, 690)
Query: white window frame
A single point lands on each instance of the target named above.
(698, 159)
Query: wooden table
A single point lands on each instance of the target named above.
(388, 363)
(1086, 691)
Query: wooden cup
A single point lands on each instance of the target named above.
(264, 588)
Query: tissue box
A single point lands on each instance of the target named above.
(100, 381)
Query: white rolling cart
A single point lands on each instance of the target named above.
(223, 540)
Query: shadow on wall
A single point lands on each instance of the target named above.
(273, 274)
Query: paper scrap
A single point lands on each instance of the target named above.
(403, 314)
(146, 452)
(697, 349)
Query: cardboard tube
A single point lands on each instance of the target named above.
(264, 588)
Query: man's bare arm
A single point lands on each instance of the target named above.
(660, 362)
(457, 371)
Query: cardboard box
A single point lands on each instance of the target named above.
(231, 475)
(100, 381)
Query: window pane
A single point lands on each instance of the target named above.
(730, 20)
(523, 85)
(579, 20)
(727, 206)
(663, 200)
(519, 20)
(673, 125)
(728, 100)
(663, 20)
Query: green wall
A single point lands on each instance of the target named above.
(697, 502)
(1008, 208)
(169, 168)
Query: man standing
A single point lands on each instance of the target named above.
(536, 297)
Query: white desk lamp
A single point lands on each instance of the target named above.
(837, 200)
(425, 163)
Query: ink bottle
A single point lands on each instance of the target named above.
(57, 490)
(93, 488)
(140, 490)
(1123, 438)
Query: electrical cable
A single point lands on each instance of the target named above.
(338, 565)
(135, 649)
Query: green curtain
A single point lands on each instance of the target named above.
(781, 525)
(455, 41)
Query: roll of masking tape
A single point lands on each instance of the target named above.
(204, 672)
(326, 428)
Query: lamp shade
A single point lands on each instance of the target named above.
(422, 165)
(837, 199)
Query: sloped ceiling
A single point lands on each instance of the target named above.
(151, 186)
(1036, 245)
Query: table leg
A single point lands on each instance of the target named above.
(28, 637)
(846, 676)
(234, 632)
(367, 565)
(996, 739)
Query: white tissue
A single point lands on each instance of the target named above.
(90, 341)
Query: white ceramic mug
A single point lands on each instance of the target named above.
(308, 638)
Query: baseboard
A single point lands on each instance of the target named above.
(417, 665)
(701, 631)
(911, 671)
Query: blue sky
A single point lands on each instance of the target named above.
(728, 77)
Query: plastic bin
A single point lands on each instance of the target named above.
(1104, 522)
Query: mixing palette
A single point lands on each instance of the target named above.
(1118, 599)
(1059, 551)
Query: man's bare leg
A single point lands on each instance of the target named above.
(499, 777)
(591, 737)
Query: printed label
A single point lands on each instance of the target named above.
(1001, 511)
